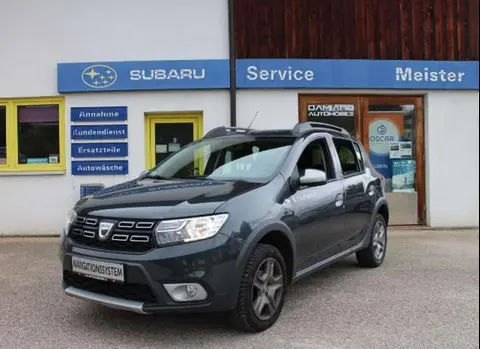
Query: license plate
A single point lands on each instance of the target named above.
(98, 270)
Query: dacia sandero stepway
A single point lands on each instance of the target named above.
(227, 223)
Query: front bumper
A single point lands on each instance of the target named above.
(209, 263)
(111, 302)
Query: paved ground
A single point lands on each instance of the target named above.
(425, 296)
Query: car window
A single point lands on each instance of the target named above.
(247, 158)
(347, 154)
(316, 156)
(358, 153)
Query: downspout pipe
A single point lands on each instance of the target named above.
(232, 65)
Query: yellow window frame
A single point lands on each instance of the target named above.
(11, 106)
(169, 118)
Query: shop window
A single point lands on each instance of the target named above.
(38, 129)
(32, 137)
(3, 135)
(339, 114)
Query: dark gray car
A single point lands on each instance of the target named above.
(227, 223)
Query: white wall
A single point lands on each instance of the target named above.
(452, 144)
(36, 35)
(452, 154)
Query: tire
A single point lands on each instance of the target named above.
(368, 257)
(244, 317)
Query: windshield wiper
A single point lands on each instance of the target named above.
(175, 177)
(157, 177)
(192, 177)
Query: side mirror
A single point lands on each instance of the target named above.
(313, 177)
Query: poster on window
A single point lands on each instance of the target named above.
(403, 176)
(401, 150)
(384, 129)
(325, 110)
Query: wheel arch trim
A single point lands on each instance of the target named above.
(247, 249)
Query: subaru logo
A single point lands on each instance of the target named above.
(104, 230)
(99, 76)
(381, 129)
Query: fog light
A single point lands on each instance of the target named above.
(186, 292)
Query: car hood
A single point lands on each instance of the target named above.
(158, 199)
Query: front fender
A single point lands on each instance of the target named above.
(253, 239)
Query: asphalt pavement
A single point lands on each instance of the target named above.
(426, 295)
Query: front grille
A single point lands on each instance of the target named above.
(133, 292)
(127, 235)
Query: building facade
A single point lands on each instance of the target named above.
(92, 93)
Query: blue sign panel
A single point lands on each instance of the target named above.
(95, 132)
(403, 175)
(143, 75)
(100, 167)
(99, 150)
(356, 74)
(98, 114)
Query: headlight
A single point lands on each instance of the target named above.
(69, 220)
(189, 229)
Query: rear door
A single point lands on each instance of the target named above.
(358, 200)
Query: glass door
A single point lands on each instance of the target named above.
(166, 135)
(392, 129)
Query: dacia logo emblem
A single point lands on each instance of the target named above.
(99, 76)
(104, 230)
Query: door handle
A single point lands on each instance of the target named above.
(339, 200)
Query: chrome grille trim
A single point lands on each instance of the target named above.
(144, 225)
(139, 238)
(91, 221)
(120, 237)
(80, 220)
(77, 231)
(128, 234)
(126, 224)
(89, 234)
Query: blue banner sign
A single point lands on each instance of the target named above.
(356, 74)
(99, 150)
(143, 75)
(96, 132)
(268, 74)
(98, 114)
(100, 167)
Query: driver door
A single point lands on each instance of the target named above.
(319, 210)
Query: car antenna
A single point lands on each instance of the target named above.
(248, 128)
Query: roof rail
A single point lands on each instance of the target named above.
(310, 125)
(225, 131)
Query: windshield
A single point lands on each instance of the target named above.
(247, 158)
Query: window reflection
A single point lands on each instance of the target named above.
(38, 134)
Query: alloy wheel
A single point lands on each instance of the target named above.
(379, 240)
(267, 289)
